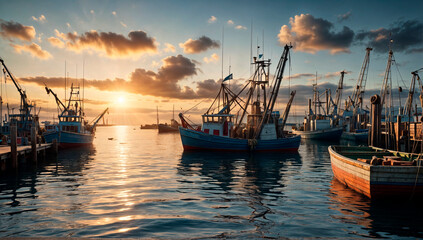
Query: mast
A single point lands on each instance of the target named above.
(157, 111)
(358, 91)
(267, 114)
(338, 94)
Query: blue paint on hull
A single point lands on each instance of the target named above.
(358, 137)
(195, 140)
(68, 139)
(331, 134)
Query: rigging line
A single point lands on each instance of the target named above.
(195, 105)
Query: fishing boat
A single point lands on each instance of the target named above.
(168, 128)
(25, 119)
(223, 130)
(72, 130)
(322, 121)
(391, 165)
(355, 117)
(378, 173)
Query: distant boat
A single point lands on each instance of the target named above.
(377, 173)
(148, 126)
(322, 122)
(72, 130)
(172, 127)
(222, 130)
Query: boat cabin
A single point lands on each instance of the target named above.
(70, 123)
(217, 124)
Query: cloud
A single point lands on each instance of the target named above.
(212, 19)
(56, 42)
(96, 102)
(415, 50)
(213, 58)
(310, 34)
(41, 19)
(163, 83)
(123, 24)
(92, 12)
(169, 48)
(240, 27)
(114, 13)
(230, 22)
(344, 16)
(68, 24)
(200, 45)
(406, 35)
(34, 49)
(109, 43)
(11, 30)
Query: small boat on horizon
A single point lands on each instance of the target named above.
(225, 131)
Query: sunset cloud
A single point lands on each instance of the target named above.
(13, 30)
(213, 58)
(199, 45)
(109, 43)
(405, 36)
(230, 22)
(344, 16)
(34, 49)
(212, 19)
(56, 42)
(240, 27)
(169, 48)
(310, 34)
(41, 19)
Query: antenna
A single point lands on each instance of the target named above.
(65, 81)
(223, 27)
(83, 85)
(251, 48)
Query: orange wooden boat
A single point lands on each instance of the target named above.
(378, 173)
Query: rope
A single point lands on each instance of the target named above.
(194, 106)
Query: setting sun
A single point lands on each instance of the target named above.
(121, 99)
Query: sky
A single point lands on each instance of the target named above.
(135, 56)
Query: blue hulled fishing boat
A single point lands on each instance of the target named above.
(72, 130)
(254, 126)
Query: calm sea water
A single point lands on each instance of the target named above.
(142, 184)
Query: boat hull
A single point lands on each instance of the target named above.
(332, 134)
(377, 182)
(197, 140)
(358, 137)
(167, 128)
(69, 139)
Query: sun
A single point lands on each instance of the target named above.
(121, 99)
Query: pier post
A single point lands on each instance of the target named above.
(13, 145)
(34, 144)
(398, 133)
(375, 129)
(55, 147)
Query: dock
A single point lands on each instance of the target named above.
(6, 153)
(13, 160)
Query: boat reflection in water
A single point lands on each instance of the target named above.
(379, 218)
(247, 188)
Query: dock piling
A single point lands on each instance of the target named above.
(13, 146)
(34, 144)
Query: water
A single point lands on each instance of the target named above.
(141, 184)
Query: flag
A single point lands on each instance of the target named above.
(260, 55)
(229, 77)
